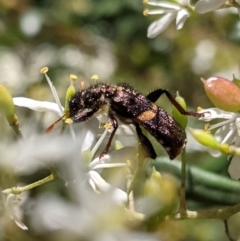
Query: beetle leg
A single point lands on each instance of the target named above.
(114, 124)
(145, 142)
(154, 95)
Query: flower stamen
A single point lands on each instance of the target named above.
(214, 126)
(95, 77)
(53, 89)
(229, 135)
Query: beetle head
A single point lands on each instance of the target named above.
(84, 104)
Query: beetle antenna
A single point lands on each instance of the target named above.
(54, 124)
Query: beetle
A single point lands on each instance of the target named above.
(126, 104)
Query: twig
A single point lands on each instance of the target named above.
(227, 230)
(19, 190)
(183, 207)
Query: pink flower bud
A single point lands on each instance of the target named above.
(223, 93)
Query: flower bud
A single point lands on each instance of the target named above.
(161, 194)
(181, 119)
(6, 105)
(205, 138)
(70, 92)
(223, 93)
(153, 184)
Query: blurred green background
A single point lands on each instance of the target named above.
(108, 38)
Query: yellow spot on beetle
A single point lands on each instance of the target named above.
(119, 88)
(145, 116)
(154, 107)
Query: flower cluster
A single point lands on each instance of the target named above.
(224, 94)
(180, 10)
(98, 206)
(170, 11)
(227, 132)
(84, 143)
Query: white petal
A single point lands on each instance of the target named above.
(119, 196)
(214, 153)
(214, 113)
(89, 133)
(119, 156)
(108, 165)
(54, 92)
(20, 224)
(99, 142)
(221, 124)
(234, 168)
(163, 4)
(92, 184)
(182, 15)
(225, 134)
(12, 210)
(230, 136)
(72, 132)
(126, 130)
(222, 132)
(184, 2)
(157, 11)
(160, 25)
(99, 182)
(237, 123)
(37, 105)
(204, 6)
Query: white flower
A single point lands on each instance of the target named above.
(114, 159)
(204, 6)
(36, 105)
(11, 209)
(87, 146)
(228, 131)
(170, 11)
(93, 218)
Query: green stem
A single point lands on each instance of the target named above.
(135, 179)
(214, 213)
(19, 190)
(142, 159)
(17, 130)
(13, 122)
(183, 207)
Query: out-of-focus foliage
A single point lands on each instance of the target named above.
(108, 38)
(88, 37)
